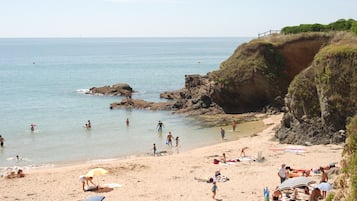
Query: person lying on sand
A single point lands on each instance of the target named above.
(13, 174)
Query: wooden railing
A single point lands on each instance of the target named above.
(268, 33)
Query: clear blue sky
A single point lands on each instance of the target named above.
(169, 18)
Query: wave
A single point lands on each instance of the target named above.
(82, 91)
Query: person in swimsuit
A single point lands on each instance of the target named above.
(234, 125)
(214, 190)
(169, 139)
(223, 132)
(315, 195)
(127, 121)
(277, 194)
(242, 153)
(160, 125)
(154, 149)
(177, 141)
(1, 141)
(84, 179)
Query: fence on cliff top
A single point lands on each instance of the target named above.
(268, 33)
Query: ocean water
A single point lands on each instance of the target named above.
(43, 79)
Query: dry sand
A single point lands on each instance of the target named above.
(171, 177)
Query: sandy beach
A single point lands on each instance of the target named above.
(172, 177)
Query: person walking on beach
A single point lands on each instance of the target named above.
(2, 141)
(160, 125)
(282, 173)
(214, 190)
(154, 149)
(169, 139)
(223, 132)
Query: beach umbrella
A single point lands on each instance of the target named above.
(96, 172)
(324, 186)
(295, 182)
(95, 198)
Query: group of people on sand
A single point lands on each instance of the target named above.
(15, 174)
(285, 172)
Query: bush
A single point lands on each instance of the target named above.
(330, 197)
(339, 25)
(352, 159)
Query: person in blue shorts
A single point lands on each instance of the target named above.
(214, 190)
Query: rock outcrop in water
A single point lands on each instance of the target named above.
(121, 89)
(194, 99)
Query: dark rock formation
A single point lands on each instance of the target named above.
(194, 99)
(142, 104)
(114, 90)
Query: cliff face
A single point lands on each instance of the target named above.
(259, 72)
(312, 77)
(321, 100)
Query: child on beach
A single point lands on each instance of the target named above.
(154, 149)
(214, 190)
(177, 140)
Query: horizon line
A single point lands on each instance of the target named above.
(77, 37)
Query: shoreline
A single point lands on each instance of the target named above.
(171, 177)
(251, 123)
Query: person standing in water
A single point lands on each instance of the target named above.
(234, 125)
(169, 139)
(89, 125)
(177, 141)
(160, 125)
(32, 127)
(127, 121)
(2, 141)
(223, 132)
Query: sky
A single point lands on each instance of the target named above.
(164, 18)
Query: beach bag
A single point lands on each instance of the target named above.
(215, 161)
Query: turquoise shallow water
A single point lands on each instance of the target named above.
(42, 81)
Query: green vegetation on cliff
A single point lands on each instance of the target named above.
(351, 153)
(336, 79)
(339, 25)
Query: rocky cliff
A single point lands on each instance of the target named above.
(311, 77)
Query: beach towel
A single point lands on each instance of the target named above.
(246, 158)
(91, 188)
(113, 185)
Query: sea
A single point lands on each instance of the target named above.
(43, 82)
